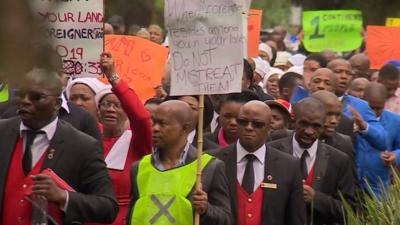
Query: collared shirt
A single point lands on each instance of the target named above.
(41, 144)
(312, 153)
(157, 160)
(191, 136)
(258, 164)
(64, 103)
(41, 141)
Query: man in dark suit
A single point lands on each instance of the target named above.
(265, 184)
(326, 171)
(330, 136)
(38, 140)
(168, 176)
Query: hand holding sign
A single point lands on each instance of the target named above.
(138, 61)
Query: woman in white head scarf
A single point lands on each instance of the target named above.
(271, 81)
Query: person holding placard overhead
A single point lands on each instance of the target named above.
(116, 105)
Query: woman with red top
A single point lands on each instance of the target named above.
(122, 146)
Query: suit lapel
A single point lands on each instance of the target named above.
(287, 145)
(321, 163)
(270, 174)
(230, 156)
(56, 147)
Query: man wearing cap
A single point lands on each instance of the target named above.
(265, 184)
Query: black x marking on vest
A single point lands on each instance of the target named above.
(163, 209)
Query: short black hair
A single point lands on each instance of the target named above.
(289, 80)
(248, 70)
(285, 114)
(389, 72)
(155, 101)
(242, 97)
(318, 58)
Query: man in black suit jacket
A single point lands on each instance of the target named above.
(273, 173)
(326, 170)
(74, 156)
(346, 126)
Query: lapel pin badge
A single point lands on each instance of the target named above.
(51, 154)
(269, 177)
(318, 178)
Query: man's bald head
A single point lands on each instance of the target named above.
(360, 64)
(338, 61)
(325, 97)
(177, 110)
(322, 79)
(375, 94)
(309, 105)
(253, 124)
(357, 87)
(375, 91)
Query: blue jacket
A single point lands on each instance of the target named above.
(299, 93)
(375, 134)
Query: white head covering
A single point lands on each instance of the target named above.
(102, 93)
(282, 58)
(296, 69)
(271, 72)
(262, 67)
(297, 60)
(93, 83)
(264, 47)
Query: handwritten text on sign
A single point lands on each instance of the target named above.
(138, 61)
(206, 46)
(337, 30)
(76, 30)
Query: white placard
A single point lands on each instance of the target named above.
(75, 29)
(206, 46)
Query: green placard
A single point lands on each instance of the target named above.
(337, 30)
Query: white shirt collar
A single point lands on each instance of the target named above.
(298, 150)
(64, 103)
(190, 136)
(242, 152)
(49, 129)
(157, 160)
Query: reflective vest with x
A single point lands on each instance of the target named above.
(163, 194)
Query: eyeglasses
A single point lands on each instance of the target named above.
(254, 124)
(32, 95)
(107, 105)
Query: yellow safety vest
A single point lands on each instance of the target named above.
(162, 194)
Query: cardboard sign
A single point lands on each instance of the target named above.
(206, 43)
(382, 45)
(138, 61)
(337, 30)
(392, 22)
(254, 28)
(76, 30)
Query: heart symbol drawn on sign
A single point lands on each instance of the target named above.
(145, 56)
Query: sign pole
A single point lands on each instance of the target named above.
(199, 151)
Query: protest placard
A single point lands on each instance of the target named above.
(337, 30)
(254, 28)
(392, 22)
(382, 45)
(75, 28)
(138, 61)
(206, 46)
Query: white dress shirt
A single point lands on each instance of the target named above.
(42, 140)
(258, 164)
(191, 136)
(312, 153)
(41, 144)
